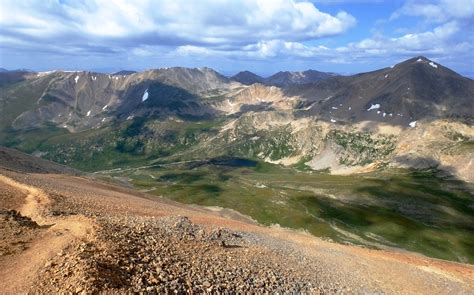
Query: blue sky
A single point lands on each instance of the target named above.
(263, 36)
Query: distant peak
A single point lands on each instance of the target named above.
(421, 57)
(124, 72)
(247, 77)
(418, 61)
(246, 73)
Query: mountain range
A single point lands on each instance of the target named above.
(282, 79)
(321, 120)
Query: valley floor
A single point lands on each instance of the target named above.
(86, 236)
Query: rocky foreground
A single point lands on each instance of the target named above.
(64, 233)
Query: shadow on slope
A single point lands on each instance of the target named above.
(163, 100)
(416, 89)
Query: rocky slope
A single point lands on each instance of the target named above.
(81, 236)
(413, 90)
(83, 100)
(417, 89)
(18, 161)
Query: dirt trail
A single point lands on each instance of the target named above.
(138, 243)
(17, 270)
(35, 202)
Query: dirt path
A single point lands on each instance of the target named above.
(18, 272)
(35, 202)
(139, 243)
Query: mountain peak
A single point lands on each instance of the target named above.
(418, 60)
(247, 78)
(287, 78)
(421, 66)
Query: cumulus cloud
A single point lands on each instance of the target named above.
(437, 11)
(244, 31)
(436, 42)
(138, 23)
(415, 42)
(262, 50)
(441, 40)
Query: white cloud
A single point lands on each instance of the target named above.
(436, 41)
(273, 48)
(190, 50)
(170, 22)
(145, 51)
(261, 50)
(437, 11)
(247, 31)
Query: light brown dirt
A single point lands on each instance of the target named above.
(19, 272)
(98, 237)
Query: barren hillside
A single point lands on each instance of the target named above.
(81, 235)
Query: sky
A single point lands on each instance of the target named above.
(262, 36)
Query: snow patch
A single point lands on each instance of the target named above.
(259, 185)
(374, 107)
(333, 121)
(384, 114)
(386, 76)
(103, 120)
(378, 112)
(327, 98)
(350, 108)
(433, 65)
(334, 108)
(105, 107)
(412, 124)
(308, 108)
(145, 95)
(419, 60)
(76, 79)
(88, 113)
